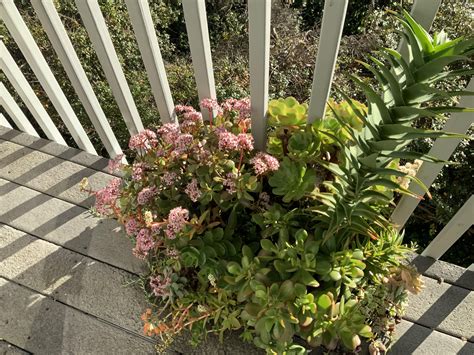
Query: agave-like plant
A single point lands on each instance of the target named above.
(406, 93)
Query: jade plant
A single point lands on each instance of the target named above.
(293, 247)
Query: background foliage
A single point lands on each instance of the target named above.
(294, 42)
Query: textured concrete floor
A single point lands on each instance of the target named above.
(62, 271)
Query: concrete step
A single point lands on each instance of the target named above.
(71, 278)
(48, 174)
(415, 339)
(65, 224)
(41, 325)
(445, 307)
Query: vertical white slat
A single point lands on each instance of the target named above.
(27, 94)
(25, 41)
(96, 27)
(331, 31)
(442, 148)
(424, 12)
(4, 122)
(15, 112)
(198, 35)
(49, 18)
(455, 228)
(141, 19)
(259, 61)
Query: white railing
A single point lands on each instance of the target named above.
(196, 25)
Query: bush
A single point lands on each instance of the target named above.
(293, 242)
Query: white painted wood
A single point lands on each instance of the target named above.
(49, 18)
(259, 61)
(198, 35)
(442, 149)
(25, 41)
(455, 228)
(4, 122)
(424, 12)
(142, 22)
(15, 112)
(331, 31)
(96, 27)
(27, 94)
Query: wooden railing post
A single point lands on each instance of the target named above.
(198, 35)
(259, 60)
(331, 32)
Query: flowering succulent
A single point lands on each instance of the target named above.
(294, 241)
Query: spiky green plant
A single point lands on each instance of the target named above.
(406, 92)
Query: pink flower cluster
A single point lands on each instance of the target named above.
(177, 219)
(229, 183)
(179, 109)
(192, 190)
(242, 105)
(115, 164)
(106, 198)
(264, 163)
(131, 226)
(146, 194)
(245, 141)
(169, 178)
(169, 132)
(229, 141)
(210, 104)
(143, 140)
(160, 285)
(144, 240)
(137, 171)
(183, 144)
(192, 121)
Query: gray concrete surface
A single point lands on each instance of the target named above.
(53, 148)
(38, 324)
(442, 306)
(65, 224)
(95, 288)
(62, 270)
(48, 174)
(418, 340)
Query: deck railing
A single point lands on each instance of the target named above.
(259, 11)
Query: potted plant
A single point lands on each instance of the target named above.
(292, 246)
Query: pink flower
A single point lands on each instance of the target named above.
(228, 104)
(229, 183)
(169, 178)
(210, 104)
(245, 141)
(160, 285)
(143, 140)
(183, 109)
(183, 143)
(243, 106)
(192, 121)
(115, 163)
(145, 195)
(106, 198)
(137, 171)
(177, 219)
(155, 228)
(169, 132)
(228, 141)
(144, 240)
(131, 227)
(264, 163)
(192, 190)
